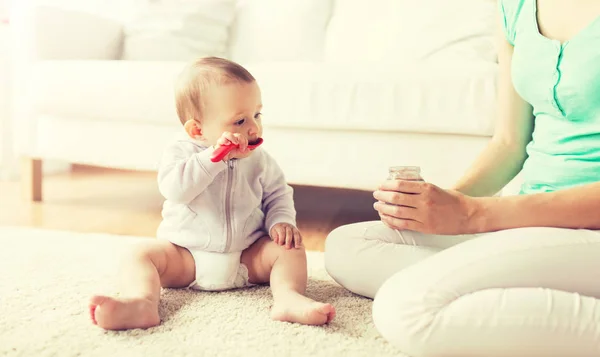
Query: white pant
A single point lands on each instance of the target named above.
(520, 292)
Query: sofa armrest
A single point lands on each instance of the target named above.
(46, 32)
(43, 33)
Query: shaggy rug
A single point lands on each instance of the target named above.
(46, 278)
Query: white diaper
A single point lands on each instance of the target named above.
(219, 271)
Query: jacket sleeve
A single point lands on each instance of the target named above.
(278, 196)
(184, 172)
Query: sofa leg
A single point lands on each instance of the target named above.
(32, 179)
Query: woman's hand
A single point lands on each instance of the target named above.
(424, 207)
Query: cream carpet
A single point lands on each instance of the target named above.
(46, 278)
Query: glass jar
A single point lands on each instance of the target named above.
(408, 173)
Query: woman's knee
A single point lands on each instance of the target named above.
(346, 253)
(333, 245)
(403, 317)
(336, 250)
(361, 256)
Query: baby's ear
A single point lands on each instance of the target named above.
(193, 129)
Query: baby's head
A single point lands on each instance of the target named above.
(214, 95)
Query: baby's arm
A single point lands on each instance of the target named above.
(184, 173)
(278, 196)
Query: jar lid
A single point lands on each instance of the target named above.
(404, 168)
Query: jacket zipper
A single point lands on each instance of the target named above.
(228, 204)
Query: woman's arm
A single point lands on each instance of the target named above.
(577, 207)
(503, 159)
(504, 156)
(423, 207)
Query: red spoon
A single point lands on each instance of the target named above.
(223, 150)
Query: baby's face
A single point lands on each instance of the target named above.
(234, 108)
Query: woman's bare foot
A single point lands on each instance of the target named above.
(120, 314)
(298, 308)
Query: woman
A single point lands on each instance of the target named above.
(455, 272)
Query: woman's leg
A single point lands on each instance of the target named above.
(361, 256)
(521, 292)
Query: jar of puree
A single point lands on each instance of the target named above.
(408, 173)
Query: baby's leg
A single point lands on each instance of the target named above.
(146, 268)
(285, 269)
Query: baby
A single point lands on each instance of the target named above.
(226, 224)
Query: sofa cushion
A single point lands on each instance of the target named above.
(63, 32)
(454, 98)
(276, 30)
(134, 91)
(451, 98)
(399, 31)
(178, 30)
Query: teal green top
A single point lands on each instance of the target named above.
(561, 81)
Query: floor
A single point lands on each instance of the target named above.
(90, 199)
(47, 278)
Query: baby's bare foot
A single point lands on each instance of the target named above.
(298, 308)
(120, 314)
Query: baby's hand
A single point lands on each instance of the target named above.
(286, 234)
(228, 138)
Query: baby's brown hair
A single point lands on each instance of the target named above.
(198, 77)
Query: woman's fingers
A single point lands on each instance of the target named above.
(403, 186)
(402, 212)
(397, 198)
(397, 223)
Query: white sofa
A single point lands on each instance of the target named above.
(350, 87)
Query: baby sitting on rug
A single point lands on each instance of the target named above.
(216, 215)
